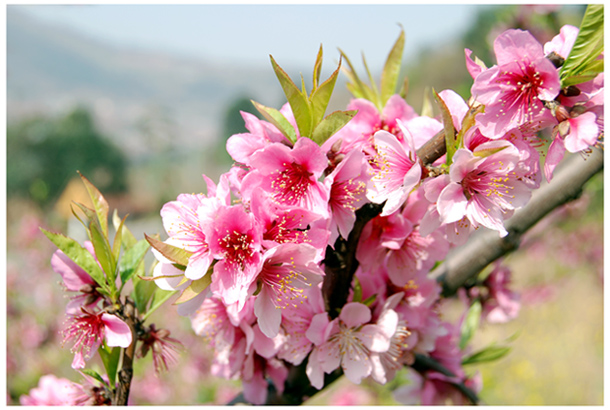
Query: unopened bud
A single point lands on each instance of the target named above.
(556, 59)
(339, 158)
(90, 300)
(571, 91)
(564, 128)
(337, 145)
(561, 113)
(577, 110)
(87, 288)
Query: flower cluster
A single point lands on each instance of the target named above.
(260, 237)
(259, 259)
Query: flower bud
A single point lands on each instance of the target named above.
(571, 91)
(87, 288)
(561, 113)
(556, 59)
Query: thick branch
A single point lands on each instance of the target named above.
(485, 247)
(340, 263)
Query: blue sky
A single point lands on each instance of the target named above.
(247, 34)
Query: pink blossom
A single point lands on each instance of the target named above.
(350, 340)
(347, 185)
(295, 322)
(501, 304)
(357, 134)
(514, 90)
(164, 348)
(563, 42)
(287, 271)
(396, 171)
(290, 176)
(386, 364)
(287, 225)
(261, 133)
(52, 391)
(88, 329)
(76, 280)
(483, 188)
(234, 238)
(184, 221)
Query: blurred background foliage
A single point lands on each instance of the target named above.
(557, 354)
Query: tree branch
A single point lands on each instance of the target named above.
(486, 246)
(126, 373)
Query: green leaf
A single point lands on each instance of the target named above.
(103, 251)
(195, 288)
(317, 69)
(132, 258)
(89, 213)
(331, 124)
(427, 109)
(111, 362)
(297, 99)
(369, 301)
(471, 323)
(277, 118)
(321, 96)
(143, 290)
(404, 89)
(171, 252)
(488, 354)
(99, 203)
(118, 240)
(391, 69)
(94, 374)
(374, 90)
(484, 153)
(467, 123)
(450, 139)
(356, 87)
(357, 290)
(79, 255)
(581, 65)
(159, 297)
(127, 237)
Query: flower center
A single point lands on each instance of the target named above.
(291, 183)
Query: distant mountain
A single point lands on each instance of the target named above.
(133, 94)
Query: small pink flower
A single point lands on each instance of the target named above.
(350, 341)
(563, 42)
(287, 272)
(88, 329)
(52, 391)
(261, 133)
(357, 134)
(234, 238)
(348, 184)
(287, 225)
(290, 176)
(76, 280)
(396, 171)
(164, 348)
(501, 304)
(514, 90)
(484, 188)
